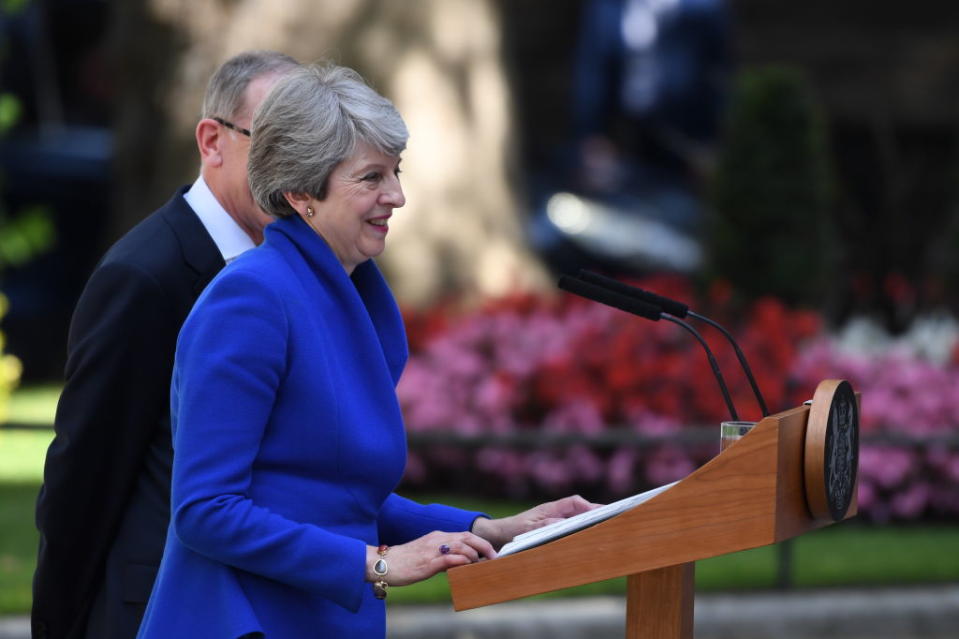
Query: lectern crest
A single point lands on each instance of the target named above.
(832, 449)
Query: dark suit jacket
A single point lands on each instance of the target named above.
(104, 506)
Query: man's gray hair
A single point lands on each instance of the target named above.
(310, 122)
(227, 87)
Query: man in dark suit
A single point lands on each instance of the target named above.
(104, 507)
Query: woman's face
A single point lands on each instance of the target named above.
(354, 218)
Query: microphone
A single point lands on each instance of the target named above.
(609, 298)
(638, 307)
(680, 310)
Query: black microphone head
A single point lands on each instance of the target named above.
(627, 298)
(609, 298)
(674, 308)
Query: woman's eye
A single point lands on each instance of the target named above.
(371, 177)
(397, 171)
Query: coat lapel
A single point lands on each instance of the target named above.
(365, 295)
(199, 251)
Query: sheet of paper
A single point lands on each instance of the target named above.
(578, 522)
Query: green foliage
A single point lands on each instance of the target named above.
(10, 111)
(770, 231)
(14, 6)
(852, 553)
(35, 406)
(25, 236)
(22, 454)
(18, 545)
(10, 368)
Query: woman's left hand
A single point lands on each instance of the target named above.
(501, 531)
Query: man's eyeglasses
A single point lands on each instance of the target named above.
(230, 125)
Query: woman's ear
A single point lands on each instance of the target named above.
(298, 201)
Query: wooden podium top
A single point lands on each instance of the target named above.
(751, 495)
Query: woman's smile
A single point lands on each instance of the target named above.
(380, 224)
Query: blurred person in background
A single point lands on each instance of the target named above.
(287, 429)
(649, 81)
(104, 506)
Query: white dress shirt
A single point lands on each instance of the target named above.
(229, 238)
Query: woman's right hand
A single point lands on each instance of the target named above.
(424, 557)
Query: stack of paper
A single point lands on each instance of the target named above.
(578, 522)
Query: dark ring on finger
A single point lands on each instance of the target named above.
(444, 549)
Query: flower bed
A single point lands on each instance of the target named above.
(564, 367)
(909, 461)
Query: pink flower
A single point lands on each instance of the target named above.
(668, 464)
(494, 396)
(649, 423)
(912, 502)
(951, 469)
(865, 495)
(621, 472)
(564, 365)
(887, 467)
(585, 464)
(575, 416)
(549, 470)
(499, 461)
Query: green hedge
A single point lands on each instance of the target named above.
(770, 232)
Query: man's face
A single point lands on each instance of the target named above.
(233, 188)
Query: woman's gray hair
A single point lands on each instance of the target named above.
(311, 121)
(227, 86)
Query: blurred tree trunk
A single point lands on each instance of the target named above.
(438, 60)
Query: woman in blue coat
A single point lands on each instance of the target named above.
(288, 437)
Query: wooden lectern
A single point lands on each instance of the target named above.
(752, 494)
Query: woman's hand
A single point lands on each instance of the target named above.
(501, 531)
(424, 557)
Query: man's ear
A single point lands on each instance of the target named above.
(208, 140)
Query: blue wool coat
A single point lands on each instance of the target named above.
(288, 443)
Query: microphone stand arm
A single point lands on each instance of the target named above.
(740, 357)
(712, 362)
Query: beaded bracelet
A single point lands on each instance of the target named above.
(380, 568)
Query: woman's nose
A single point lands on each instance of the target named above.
(393, 195)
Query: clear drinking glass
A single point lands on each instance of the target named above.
(731, 432)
